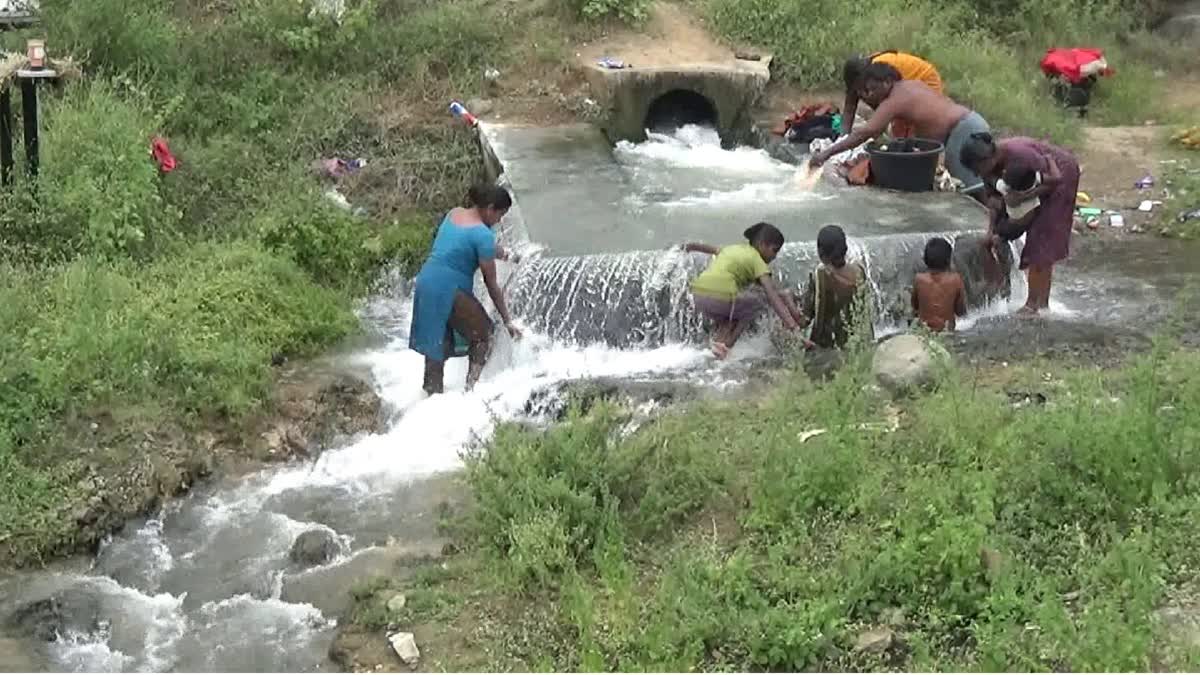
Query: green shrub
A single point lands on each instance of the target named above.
(99, 190)
(441, 49)
(99, 175)
(988, 536)
(198, 331)
(625, 10)
(324, 239)
(546, 499)
(115, 36)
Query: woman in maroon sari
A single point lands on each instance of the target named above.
(1048, 237)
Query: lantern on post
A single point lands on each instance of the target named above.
(35, 51)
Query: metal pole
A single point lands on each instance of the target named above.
(29, 107)
(6, 148)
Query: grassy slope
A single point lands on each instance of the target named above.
(984, 535)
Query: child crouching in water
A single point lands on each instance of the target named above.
(835, 293)
(730, 291)
(938, 295)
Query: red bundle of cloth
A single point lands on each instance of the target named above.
(1076, 64)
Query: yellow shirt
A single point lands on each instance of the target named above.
(734, 268)
(912, 68)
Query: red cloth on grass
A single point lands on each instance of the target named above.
(162, 155)
(1069, 63)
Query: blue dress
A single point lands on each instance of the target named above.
(457, 252)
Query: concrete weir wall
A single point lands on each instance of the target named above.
(730, 88)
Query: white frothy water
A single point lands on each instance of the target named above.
(689, 168)
(699, 147)
(432, 431)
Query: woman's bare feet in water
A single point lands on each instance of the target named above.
(720, 351)
(1027, 312)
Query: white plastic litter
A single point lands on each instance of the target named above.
(333, 9)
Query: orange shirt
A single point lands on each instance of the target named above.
(912, 68)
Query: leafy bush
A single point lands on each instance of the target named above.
(99, 189)
(115, 36)
(324, 239)
(625, 10)
(99, 175)
(199, 330)
(546, 499)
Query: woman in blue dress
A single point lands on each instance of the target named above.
(444, 302)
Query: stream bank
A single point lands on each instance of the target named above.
(125, 470)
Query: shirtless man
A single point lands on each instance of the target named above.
(931, 114)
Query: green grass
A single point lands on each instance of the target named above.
(988, 53)
(1183, 181)
(193, 333)
(987, 536)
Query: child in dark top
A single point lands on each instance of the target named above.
(835, 292)
(938, 295)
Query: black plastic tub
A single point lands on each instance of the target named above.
(908, 164)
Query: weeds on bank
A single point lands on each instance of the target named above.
(988, 53)
(984, 535)
(1183, 181)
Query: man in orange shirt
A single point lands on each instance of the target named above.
(910, 68)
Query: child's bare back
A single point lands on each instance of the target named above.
(939, 298)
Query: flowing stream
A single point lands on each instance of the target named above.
(207, 585)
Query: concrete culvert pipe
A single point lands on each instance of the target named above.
(680, 107)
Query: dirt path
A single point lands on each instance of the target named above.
(672, 35)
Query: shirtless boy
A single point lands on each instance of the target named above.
(938, 295)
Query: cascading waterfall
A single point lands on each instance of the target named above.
(642, 298)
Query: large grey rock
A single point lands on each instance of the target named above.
(1181, 28)
(480, 106)
(875, 641)
(58, 615)
(315, 547)
(907, 362)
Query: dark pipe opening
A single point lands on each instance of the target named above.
(678, 107)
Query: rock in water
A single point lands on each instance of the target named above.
(907, 362)
(315, 547)
(48, 619)
(406, 648)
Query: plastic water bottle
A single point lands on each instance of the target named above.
(460, 111)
